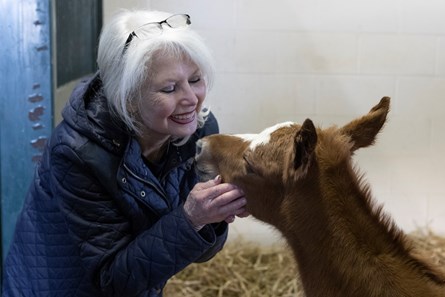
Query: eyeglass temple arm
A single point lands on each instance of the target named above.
(132, 34)
(129, 39)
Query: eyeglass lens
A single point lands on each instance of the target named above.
(178, 20)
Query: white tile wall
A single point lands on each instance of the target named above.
(358, 16)
(423, 17)
(332, 61)
(397, 54)
(440, 65)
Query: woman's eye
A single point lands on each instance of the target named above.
(195, 80)
(169, 89)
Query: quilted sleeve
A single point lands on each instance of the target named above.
(118, 262)
(221, 231)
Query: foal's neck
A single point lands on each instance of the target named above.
(341, 238)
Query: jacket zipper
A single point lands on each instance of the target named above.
(160, 191)
(132, 194)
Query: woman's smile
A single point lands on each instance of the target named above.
(184, 118)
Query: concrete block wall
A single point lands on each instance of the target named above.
(332, 61)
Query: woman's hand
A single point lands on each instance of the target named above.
(213, 201)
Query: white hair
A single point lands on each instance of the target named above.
(123, 72)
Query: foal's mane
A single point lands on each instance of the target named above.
(401, 244)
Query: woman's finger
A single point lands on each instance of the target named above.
(208, 184)
(230, 219)
(226, 195)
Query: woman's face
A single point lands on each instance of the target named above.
(172, 99)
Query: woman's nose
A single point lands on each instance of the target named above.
(189, 94)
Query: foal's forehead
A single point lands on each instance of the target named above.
(264, 136)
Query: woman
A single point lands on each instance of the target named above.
(115, 208)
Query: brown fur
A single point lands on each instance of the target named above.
(303, 183)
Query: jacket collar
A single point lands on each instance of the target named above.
(176, 156)
(87, 112)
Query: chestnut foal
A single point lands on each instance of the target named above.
(301, 180)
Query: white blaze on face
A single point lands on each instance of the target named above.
(263, 137)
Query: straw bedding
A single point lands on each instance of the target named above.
(245, 269)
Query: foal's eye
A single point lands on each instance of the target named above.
(249, 167)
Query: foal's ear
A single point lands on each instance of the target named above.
(304, 145)
(363, 131)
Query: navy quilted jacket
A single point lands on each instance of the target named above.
(96, 222)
